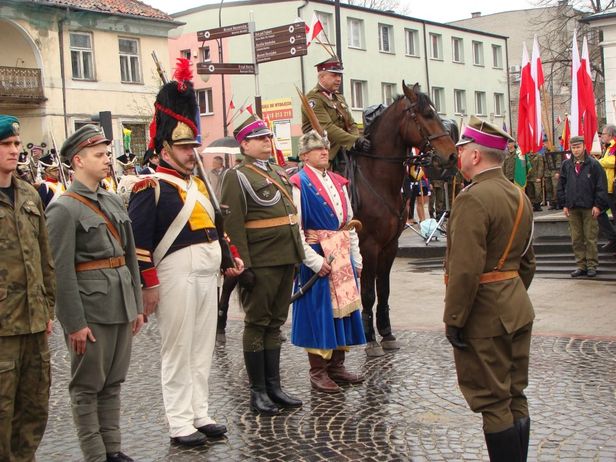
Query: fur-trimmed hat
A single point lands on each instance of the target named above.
(175, 119)
(312, 140)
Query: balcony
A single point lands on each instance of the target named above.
(21, 85)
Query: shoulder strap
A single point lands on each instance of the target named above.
(282, 189)
(514, 231)
(110, 226)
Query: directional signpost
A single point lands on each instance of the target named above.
(222, 32)
(225, 68)
(283, 42)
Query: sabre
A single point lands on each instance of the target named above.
(306, 287)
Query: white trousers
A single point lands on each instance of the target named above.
(187, 315)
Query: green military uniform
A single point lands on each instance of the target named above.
(107, 300)
(534, 180)
(553, 162)
(334, 116)
(509, 165)
(271, 252)
(27, 288)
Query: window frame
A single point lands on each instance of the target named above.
(82, 51)
(478, 46)
(392, 96)
(137, 55)
(496, 105)
(390, 38)
(458, 110)
(202, 52)
(498, 65)
(325, 19)
(460, 41)
(441, 99)
(414, 33)
(439, 45)
(363, 85)
(207, 100)
(360, 26)
(481, 100)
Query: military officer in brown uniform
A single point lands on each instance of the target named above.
(534, 180)
(27, 287)
(488, 314)
(263, 225)
(333, 112)
(510, 160)
(99, 300)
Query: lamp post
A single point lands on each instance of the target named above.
(222, 76)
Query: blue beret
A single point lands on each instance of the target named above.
(9, 126)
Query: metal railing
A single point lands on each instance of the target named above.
(21, 83)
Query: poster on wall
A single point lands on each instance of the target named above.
(279, 113)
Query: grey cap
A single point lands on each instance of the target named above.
(86, 136)
(576, 139)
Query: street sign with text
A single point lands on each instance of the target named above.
(226, 68)
(221, 32)
(282, 42)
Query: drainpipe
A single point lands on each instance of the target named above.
(301, 58)
(62, 70)
(426, 56)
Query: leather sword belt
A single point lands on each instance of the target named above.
(211, 234)
(492, 276)
(105, 263)
(271, 222)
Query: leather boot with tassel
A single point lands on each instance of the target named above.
(338, 373)
(272, 381)
(504, 446)
(259, 400)
(318, 375)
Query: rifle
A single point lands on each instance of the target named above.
(56, 156)
(227, 257)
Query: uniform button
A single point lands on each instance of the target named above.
(454, 316)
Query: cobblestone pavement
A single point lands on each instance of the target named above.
(409, 408)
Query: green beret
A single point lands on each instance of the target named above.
(86, 136)
(576, 139)
(9, 126)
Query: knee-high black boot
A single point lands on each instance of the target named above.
(504, 446)
(259, 400)
(272, 381)
(523, 427)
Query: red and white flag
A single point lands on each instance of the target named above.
(586, 96)
(313, 29)
(536, 72)
(529, 125)
(575, 114)
(249, 110)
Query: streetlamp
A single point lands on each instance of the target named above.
(222, 76)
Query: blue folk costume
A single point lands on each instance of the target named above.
(314, 325)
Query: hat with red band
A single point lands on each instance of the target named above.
(484, 134)
(331, 65)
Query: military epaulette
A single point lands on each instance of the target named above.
(144, 184)
(466, 188)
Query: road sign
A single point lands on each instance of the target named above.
(282, 42)
(226, 68)
(221, 32)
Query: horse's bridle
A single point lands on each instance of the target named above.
(425, 149)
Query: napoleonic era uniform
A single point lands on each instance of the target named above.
(49, 190)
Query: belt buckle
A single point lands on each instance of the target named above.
(292, 219)
(112, 262)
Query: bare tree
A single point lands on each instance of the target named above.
(382, 5)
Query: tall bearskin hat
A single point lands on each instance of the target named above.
(176, 111)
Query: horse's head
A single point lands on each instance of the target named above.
(422, 127)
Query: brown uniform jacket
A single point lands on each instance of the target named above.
(27, 281)
(482, 218)
(334, 116)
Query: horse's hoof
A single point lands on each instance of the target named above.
(374, 350)
(221, 338)
(390, 344)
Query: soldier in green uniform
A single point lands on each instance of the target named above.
(488, 314)
(534, 180)
(333, 112)
(99, 300)
(27, 288)
(510, 158)
(262, 224)
(553, 162)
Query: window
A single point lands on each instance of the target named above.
(436, 46)
(412, 42)
(499, 104)
(389, 93)
(438, 98)
(386, 38)
(130, 68)
(185, 54)
(497, 56)
(480, 103)
(457, 50)
(356, 33)
(205, 55)
(326, 21)
(358, 97)
(478, 53)
(82, 58)
(459, 101)
(206, 104)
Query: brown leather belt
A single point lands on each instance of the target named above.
(105, 263)
(271, 222)
(492, 276)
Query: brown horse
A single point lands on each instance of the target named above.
(376, 180)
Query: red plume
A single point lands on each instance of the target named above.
(152, 131)
(182, 72)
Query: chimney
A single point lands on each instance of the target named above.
(476, 14)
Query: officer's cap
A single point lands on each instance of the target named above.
(331, 65)
(252, 127)
(576, 139)
(86, 136)
(9, 126)
(485, 134)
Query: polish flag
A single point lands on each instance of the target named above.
(536, 72)
(566, 136)
(249, 110)
(586, 97)
(575, 100)
(527, 111)
(314, 29)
